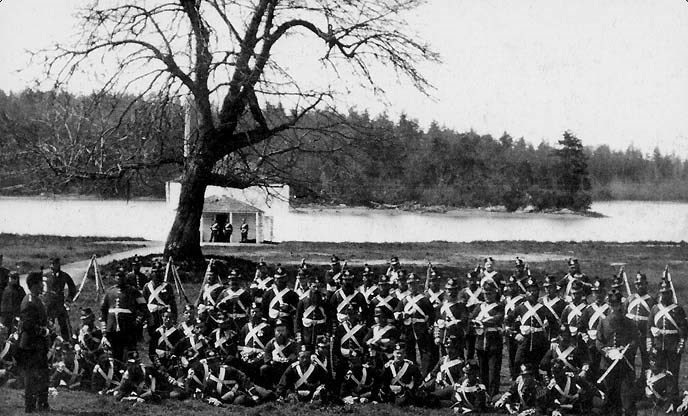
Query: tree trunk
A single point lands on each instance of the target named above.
(184, 240)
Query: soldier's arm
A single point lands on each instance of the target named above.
(601, 341)
(173, 301)
(71, 287)
(285, 384)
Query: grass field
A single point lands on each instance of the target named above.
(451, 260)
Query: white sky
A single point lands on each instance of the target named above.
(613, 71)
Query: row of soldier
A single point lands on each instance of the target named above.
(394, 339)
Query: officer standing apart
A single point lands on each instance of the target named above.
(54, 297)
(33, 346)
(244, 231)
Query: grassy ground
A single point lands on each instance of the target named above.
(32, 252)
(452, 259)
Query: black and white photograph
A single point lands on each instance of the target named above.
(374, 207)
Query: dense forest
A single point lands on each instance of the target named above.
(58, 143)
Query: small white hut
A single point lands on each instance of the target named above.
(224, 209)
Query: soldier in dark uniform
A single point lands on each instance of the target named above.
(253, 338)
(451, 318)
(574, 275)
(165, 343)
(592, 315)
(359, 380)
(471, 296)
(487, 320)
(470, 395)
(520, 274)
(228, 230)
(311, 316)
(215, 231)
(303, 380)
(554, 303)
(12, 297)
(159, 298)
(70, 370)
(401, 379)
(384, 298)
(90, 338)
(448, 371)
(235, 301)
(122, 312)
(573, 312)
(638, 307)
(526, 395)
(280, 301)
(418, 317)
(489, 274)
(393, 270)
(280, 352)
(667, 330)
(434, 291)
(568, 349)
(513, 297)
(54, 296)
(368, 287)
(244, 231)
(381, 337)
(343, 297)
(139, 279)
(262, 281)
(33, 346)
(659, 389)
(348, 336)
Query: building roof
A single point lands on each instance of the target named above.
(227, 204)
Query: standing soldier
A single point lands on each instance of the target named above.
(489, 274)
(402, 288)
(393, 270)
(228, 230)
(638, 307)
(311, 316)
(33, 346)
(513, 298)
(418, 317)
(521, 274)
(471, 296)
(159, 298)
(487, 320)
(554, 303)
(573, 312)
(139, 279)
(451, 319)
(122, 312)
(345, 296)
(592, 315)
(667, 330)
(382, 336)
(617, 337)
(333, 275)
(262, 281)
(12, 297)
(280, 301)
(215, 231)
(574, 275)
(244, 231)
(54, 297)
(433, 290)
(531, 319)
(368, 288)
(384, 298)
(348, 336)
(235, 301)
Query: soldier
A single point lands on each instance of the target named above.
(9, 353)
(434, 291)
(667, 330)
(303, 381)
(139, 382)
(487, 320)
(384, 298)
(345, 296)
(447, 372)
(215, 231)
(574, 275)
(526, 395)
(592, 315)
(262, 281)
(470, 396)
(280, 352)
(489, 274)
(400, 379)
(347, 337)
(277, 297)
(90, 337)
(188, 324)
(122, 312)
(573, 312)
(243, 229)
(227, 385)
(451, 318)
(566, 392)
(554, 303)
(393, 270)
(4, 278)
(659, 387)
(165, 344)
(418, 317)
(531, 319)
(471, 296)
(106, 374)
(54, 297)
(10, 304)
(638, 307)
(359, 380)
(223, 339)
(368, 287)
(574, 357)
(333, 275)
(228, 230)
(235, 301)
(139, 279)
(521, 274)
(382, 336)
(617, 337)
(159, 297)
(33, 346)
(302, 283)
(69, 370)
(253, 338)
(402, 288)
(210, 290)
(512, 299)
(311, 316)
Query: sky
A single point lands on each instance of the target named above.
(614, 72)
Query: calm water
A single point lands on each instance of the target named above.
(624, 221)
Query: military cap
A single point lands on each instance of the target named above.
(451, 340)
(280, 273)
(470, 367)
(254, 305)
(489, 260)
(526, 368)
(640, 278)
(550, 281)
(614, 296)
(132, 357)
(573, 262)
(490, 287)
(511, 281)
(381, 311)
(302, 273)
(86, 313)
(367, 271)
(400, 346)
(664, 286)
(34, 278)
(434, 275)
(347, 275)
(394, 260)
(451, 284)
(519, 262)
(54, 260)
(617, 282)
(136, 260)
(261, 264)
(532, 283)
(157, 267)
(280, 322)
(576, 287)
(233, 275)
(189, 307)
(322, 341)
(334, 259)
(412, 278)
(598, 285)
(383, 280)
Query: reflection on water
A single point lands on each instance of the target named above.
(624, 221)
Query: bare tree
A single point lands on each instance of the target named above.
(225, 54)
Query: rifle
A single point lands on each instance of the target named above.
(428, 273)
(204, 283)
(622, 273)
(667, 276)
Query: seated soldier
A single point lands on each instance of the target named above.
(303, 381)
(382, 336)
(400, 380)
(470, 395)
(526, 394)
(569, 351)
(348, 336)
(227, 385)
(142, 383)
(222, 339)
(447, 372)
(188, 324)
(8, 351)
(165, 344)
(198, 372)
(280, 352)
(253, 338)
(107, 374)
(69, 370)
(357, 386)
(90, 337)
(659, 390)
(568, 392)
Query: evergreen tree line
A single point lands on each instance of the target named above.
(60, 143)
